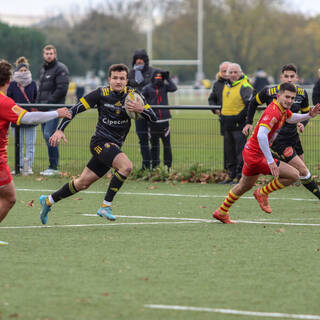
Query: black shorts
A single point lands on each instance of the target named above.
(286, 150)
(103, 155)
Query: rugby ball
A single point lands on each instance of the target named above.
(134, 96)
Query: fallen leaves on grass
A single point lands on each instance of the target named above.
(64, 174)
(30, 203)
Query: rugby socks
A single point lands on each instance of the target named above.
(115, 184)
(65, 191)
(309, 183)
(274, 185)
(228, 202)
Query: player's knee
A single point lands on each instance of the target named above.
(126, 169)
(81, 185)
(11, 200)
(295, 175)
(303, 172)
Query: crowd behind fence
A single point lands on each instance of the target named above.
(195, 134)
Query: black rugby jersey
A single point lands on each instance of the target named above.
(268, 94)
(113, 122)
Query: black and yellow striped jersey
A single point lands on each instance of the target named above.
(113, 122)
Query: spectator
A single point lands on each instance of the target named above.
(53, 88)
(156, 93)
(316, 90)
(215, 97)
(10, 112)
(236, 96)
(260, 80)
(24, 90)
(139, 77)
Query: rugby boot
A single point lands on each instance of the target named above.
(223, 217)
(45, 209)
(263, 201)
(106, 212)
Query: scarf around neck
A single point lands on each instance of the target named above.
(23, 78)
(138, 77)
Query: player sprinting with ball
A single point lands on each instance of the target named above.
(111, 131)
(257, 156)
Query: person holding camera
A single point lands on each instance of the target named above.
(156, 93)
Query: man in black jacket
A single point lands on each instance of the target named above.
(215, 97)
(139, 76)
(53, 88)
(156, 93)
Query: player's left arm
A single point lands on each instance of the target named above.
(264, 146)
(296, 117)
(41, 117)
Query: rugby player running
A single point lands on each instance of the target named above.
(257, 157)
(287, 147)
(111, 131)
(11, 112)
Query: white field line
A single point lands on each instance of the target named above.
(165, 194)
(211, 220)
(235, 312)
(154, 218)
(96, 225)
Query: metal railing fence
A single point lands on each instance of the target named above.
(195, 141)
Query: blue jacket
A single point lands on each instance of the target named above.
(15, 93)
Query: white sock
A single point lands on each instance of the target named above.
(306, 177)
(107, 203)
(50, 199)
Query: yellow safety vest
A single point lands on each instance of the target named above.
(232, 103)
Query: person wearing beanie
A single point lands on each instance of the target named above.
(23, 89)
(139, 76)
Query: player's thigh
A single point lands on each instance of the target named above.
(299, 164)
(288, 172)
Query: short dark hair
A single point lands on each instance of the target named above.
(118, 67)
(5, 72)
(287, 86)
(289, 67)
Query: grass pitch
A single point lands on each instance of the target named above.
(164, 249)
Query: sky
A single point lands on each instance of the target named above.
(46, 7)
(36, 7)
